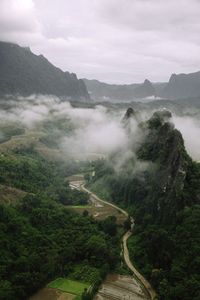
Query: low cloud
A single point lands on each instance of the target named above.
(190, 129)
(95, 132)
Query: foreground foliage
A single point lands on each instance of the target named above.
(40, 239)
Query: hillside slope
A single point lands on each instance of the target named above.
(161, 189)
(40, 238)
(24, 73)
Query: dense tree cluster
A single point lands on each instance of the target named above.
(26, 170)
(40, 239)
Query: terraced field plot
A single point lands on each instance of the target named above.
(120, 287)
(101, 211)
(98, 209)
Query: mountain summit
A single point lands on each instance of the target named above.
(145, 90)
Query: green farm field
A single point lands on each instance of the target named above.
(69, 286)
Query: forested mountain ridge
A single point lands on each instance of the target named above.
(24, 73)
(164, 198)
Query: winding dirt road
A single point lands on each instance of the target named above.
(145, 285)
(151, 293)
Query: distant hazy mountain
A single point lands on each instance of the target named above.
(103, 91)
(146, 89)
(183, 86)
(179, 87)
(22, 72)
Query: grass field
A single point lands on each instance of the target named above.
(68, 286)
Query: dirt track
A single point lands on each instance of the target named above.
(123, 287)
(139, 276)
(96, 207)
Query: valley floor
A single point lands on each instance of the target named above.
(115, 286)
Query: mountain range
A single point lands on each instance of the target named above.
(100, 91)
(179, 86)
(24, 73)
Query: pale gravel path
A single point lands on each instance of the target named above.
(143, 282)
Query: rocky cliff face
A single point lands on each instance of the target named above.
(170, 176)
(183, 86)
(161, 189)
(24, 73)
(164, 146)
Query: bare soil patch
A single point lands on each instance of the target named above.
(51, 294)
(120, 287)
(101, 211)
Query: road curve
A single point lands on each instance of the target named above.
(103, 201)
(142, 280)
(144, 283)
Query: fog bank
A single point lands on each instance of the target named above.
(96, 132)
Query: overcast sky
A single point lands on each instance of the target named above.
(116, 41)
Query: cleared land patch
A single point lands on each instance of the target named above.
(119, 287)
(95, 207)
(69, 286)
(52, 294)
